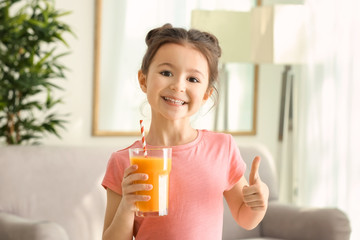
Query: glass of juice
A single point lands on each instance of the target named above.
(157, 164)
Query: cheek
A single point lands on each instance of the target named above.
(151, 87)
(199, 96)
(153, 90)
(155, 83)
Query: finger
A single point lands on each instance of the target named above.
(256, 205)
(132, 189)
(136, 177)
(130, 170)
(254, 173)
(132, 198)
(252, 198)
(258, 208)
(133, 179)
(129, 201)
(250, 190)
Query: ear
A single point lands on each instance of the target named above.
(208, 94)
(142, 81)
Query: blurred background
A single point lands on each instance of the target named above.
(305, 111)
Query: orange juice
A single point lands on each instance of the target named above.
(158, 167)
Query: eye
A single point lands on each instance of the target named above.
(166, 73)
(193, 80)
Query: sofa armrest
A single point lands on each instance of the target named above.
(17, 228)
(295, 223)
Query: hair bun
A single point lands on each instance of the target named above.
(154, 32)
(215, 41)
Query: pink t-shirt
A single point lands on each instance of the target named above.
(201, 171)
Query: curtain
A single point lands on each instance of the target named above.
(328, 162)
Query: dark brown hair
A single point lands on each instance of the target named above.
(204, 42)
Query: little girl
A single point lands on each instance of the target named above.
(178, 74)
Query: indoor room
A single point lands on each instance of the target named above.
(72, 96)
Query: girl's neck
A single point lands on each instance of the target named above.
(170, 134)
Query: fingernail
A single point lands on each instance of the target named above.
(146, 176)
(149, 186)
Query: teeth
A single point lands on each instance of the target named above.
(178, 102)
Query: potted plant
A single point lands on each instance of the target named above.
(30, 34)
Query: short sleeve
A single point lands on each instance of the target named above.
(237, 166)
(116, 166)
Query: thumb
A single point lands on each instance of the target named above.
(254, 173)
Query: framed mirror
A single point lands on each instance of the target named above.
(119, 103)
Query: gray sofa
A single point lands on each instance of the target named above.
(54, 193)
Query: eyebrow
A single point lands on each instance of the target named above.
(190, 70)
(165, 64)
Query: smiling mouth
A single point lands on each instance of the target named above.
(174, 101)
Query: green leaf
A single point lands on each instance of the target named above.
(42, 60)
(28, 69)
(58, 36)
(37, 23)
(49, 84)
(61, 55)
(32, 104)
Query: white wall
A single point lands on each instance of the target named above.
(79, 88)
(79, 84)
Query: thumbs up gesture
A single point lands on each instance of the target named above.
(256, 195)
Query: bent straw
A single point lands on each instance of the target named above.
(143, 137)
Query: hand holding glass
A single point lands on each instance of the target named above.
(157, 165)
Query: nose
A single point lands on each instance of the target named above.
(178, 85)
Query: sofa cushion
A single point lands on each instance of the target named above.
(61, 184)
(259, 239)
(16, 228)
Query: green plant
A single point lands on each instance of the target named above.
(30, 32)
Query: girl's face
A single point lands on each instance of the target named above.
(177, 81)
